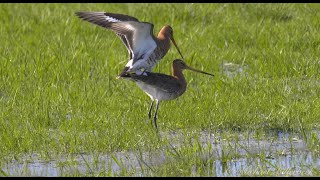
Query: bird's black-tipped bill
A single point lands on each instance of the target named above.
(175, 44)
(196, 70)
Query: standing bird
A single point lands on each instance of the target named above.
(144, 49)
(161, 86)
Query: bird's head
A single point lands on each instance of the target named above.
(167, 31)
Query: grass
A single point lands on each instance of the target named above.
(59, 95)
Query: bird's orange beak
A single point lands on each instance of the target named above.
(174, 43)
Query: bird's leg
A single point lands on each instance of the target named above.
(149, 113)
(155, 114)
(143, 72)
(142, 62)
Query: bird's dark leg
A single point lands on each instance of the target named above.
(144, 72)
(149, 113)
(155, 114)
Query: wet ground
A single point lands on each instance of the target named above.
(273, 154)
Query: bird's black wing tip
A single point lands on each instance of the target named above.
(82, 13)
(79, 14)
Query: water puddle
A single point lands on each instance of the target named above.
(280, 154)
(231, 69)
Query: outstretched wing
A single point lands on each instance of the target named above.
(134, 34)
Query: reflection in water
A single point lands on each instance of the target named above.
(282, 165)
(281, 155)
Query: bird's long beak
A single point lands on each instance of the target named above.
(174, 43)
(196, 70)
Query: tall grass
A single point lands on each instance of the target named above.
(58, 92)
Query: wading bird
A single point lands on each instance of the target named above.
(161, 86)
(144, 49)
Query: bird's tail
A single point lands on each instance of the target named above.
(126, 74)
(123, 73)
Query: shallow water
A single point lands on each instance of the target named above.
(231, 69)
(277, 154)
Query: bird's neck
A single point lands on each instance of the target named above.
(163, 41)
(162, 36)
(177, 73)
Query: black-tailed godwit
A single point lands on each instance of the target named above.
(144, 49)
(161, 86)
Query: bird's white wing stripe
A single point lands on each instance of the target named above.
(111, 19)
